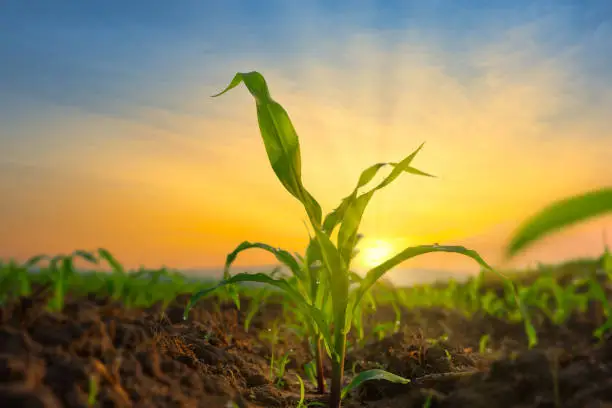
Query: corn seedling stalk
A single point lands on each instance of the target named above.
(311, 372)
(279, 369)
(94, 389)
(321, 288)
(483, 343)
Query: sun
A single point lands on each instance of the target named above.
(375, 252)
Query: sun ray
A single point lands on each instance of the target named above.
(373, 252)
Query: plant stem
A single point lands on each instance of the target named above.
(337, 370)
(319, 359)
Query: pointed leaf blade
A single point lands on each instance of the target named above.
(110, 259)
(280, 140)
(281, 255)
(369, 375)
(374, 274)
(558, 215)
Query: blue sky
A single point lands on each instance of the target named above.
(106, 56)
(103, 98)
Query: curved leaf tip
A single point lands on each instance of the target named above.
(369, 375)
(558, 215)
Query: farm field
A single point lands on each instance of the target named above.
(306, 204)
(119, 339)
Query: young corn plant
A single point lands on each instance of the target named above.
(279, 369)
(277, 366)
(14, 281)
(390, 297)
(483, 343)
(254, 305)
(59, 274)
(94, 389)
(369, 303)
(115, 283)
(321, 290)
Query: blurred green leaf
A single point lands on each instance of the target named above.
(559, 215)
(110, 259)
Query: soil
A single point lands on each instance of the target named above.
(153, 358)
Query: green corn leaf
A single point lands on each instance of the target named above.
(603, 329)
(483, 342)
(559, 215)
(370, 375)
(337, 274)
(347, 236)
(522, 311)
(254, 306)
(110, 259)
(368, 174)
(333, 218)
(86, 255)
(377, 272)
(322, 296)
(302, 392)
(308, 310)
(60, 284)
(358, 322)
(53, 263)
(598, 293)
(280, 140)
(313, 263)
(281, 255)
(404, 165)
(350, 224)
(368, 294)
(35, 260)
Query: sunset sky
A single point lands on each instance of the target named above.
(109, 137)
